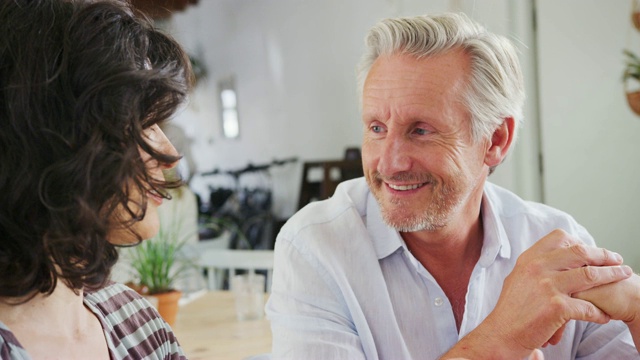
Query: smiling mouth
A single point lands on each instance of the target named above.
(406, 187)
(154, 195)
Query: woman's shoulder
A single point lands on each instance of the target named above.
(119, 305)
(133, 324)
(113, 293)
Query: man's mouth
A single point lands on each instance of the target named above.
(405, 187)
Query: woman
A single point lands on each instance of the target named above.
(83, 86)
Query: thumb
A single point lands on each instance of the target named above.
(536, 355)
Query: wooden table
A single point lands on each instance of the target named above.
(207, 328)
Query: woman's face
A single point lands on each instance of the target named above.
(150, 224)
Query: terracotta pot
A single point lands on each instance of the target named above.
(168, 305)
(633, 99)
(635, 18)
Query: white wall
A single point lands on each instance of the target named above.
(591, 148)
(294, 63)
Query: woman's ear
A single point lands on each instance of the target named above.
(500, 142)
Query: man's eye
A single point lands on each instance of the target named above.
(420, 131)
(376, 128)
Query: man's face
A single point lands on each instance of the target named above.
(149, 225)
(419, 158)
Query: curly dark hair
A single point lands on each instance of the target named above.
(79, 82)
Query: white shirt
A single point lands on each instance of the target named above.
(345, 285)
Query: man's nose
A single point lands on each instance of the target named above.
(396, 155)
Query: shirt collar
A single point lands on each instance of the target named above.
(387, 240)
(495, 240)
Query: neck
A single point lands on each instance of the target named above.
(450, 255)
(446, 248)
(57, 324)
(457, 243)
(63, 309)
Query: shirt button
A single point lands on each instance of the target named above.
(438, 301)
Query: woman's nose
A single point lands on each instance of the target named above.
(169, 149)
(171, 165)
(161, 143)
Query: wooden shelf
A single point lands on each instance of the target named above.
(328, 174)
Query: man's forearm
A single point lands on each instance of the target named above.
(634, 328)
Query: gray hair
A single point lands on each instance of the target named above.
(496, 88)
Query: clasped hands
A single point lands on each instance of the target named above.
(556, 280)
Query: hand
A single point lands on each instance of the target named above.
(620, 300)
(536, 303)
(536, 355)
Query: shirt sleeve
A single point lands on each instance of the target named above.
(10, 347)
(609, 341)
(308, 318)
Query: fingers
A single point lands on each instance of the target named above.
(619, 300)
(566, 252)
(586, 311)
(536, 355)
(576, 255)
(556, 239)
(545, 276)
(587, 277)
(557, 336)
(578, 266)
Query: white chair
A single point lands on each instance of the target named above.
(221, 242)
(191, 279)
(217, 260)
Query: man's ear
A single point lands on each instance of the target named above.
(500, 142)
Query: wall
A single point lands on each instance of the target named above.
(294, 63)
(590, 146)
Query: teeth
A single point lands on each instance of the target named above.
(404, 187)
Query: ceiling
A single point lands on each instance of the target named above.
(161, 9)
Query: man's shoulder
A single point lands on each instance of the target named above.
(508, 204)
(539, 219)
(348, 204)
(349, 195)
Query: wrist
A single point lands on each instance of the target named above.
(486, 342)
(634, 325)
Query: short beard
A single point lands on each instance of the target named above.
(433, 216)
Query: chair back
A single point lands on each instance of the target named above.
(215, 261)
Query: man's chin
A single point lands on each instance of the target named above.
(398, 218)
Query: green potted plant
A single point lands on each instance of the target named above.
(632, 76)
(158, 263)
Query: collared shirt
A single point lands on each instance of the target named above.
(345, 285)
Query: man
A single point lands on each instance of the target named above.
(425, 259)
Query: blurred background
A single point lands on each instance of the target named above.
(276, 91)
